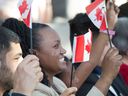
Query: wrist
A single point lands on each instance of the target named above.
(111, 32)
(106, 79)
(105, 82)
(104, 36)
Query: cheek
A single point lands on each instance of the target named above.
(55, 53)
(20, 60)
(15, 64)
(53, 58)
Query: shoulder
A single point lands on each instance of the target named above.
(59, 84)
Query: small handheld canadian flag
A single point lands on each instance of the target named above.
(96, 11)
(24, 7)
(82, 47)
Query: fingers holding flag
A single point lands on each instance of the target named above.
(112, 14)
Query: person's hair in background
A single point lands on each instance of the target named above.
(123, 10)
(6, 38)
(94, 0)
(120, 40)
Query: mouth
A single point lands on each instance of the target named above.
(62, 61)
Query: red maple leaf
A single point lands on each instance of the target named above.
(88, 46)
(99, 14)
(23, 6)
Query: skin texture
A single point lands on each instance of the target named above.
(51, 55)
(10, 62)
(16, 74)
(14, 56)
(50, 52)
(27, 81)
(110, 68)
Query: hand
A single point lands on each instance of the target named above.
(111, 64)
(27, 75)
(69, 91)
(112, 14)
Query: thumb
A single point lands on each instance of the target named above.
(69, 91)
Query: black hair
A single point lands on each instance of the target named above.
(123, 10)
(120, 40)
(92, 1)
(35, 33)
(21, 30)
(6, 37)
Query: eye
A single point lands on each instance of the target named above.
(16, 58)
(56, 46)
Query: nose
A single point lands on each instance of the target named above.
(63, 51)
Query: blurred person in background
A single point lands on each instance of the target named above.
(120, 41)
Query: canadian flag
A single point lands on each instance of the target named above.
(82, 47)
(24, 7)
(96, 11)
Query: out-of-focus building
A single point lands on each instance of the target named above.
(42, 12)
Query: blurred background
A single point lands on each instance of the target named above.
(56, 13)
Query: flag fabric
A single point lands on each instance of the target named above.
(82, 47)
(24, 7)
(96, 11)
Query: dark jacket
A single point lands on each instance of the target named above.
(13, 94)
(118, 84)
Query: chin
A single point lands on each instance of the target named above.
(61, 68)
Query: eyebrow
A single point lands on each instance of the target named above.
(58, 41)
(19, 54)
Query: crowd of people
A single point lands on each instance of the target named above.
(46, 71)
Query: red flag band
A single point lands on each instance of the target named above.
(96, 11)
(82, 47)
